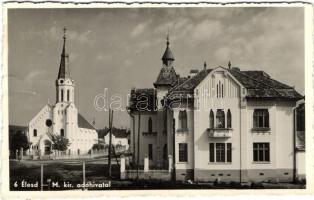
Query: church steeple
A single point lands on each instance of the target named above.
(64, 83)
(64, 70)
(167, 58)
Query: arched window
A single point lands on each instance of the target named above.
(220, 119)
(61, 94)
(35, 132)
(211, 119)
(78, 152)
(68, 95)
(150, 125)
(261, 118)
(183, 120)
(229, 119)
(62, 132)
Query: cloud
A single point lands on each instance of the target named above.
(138, 29)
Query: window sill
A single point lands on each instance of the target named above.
(220, 129)
(261, 162)
(182, 130)
(182, 162)
(220, 163)
(260, 129)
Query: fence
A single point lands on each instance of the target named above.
(146, 173)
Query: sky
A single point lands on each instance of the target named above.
(121, 48)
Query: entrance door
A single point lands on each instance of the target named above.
(47, 147)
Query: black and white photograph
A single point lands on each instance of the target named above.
(156, 98)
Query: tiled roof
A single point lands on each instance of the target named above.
(258, 84)
(261, 85)
(83, 123)
(143, 99)
(168, 54)
(167, 76)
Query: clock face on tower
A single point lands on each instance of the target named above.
(48, 122)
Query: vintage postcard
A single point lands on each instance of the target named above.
(109, 98)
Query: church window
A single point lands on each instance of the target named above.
(183, 120)
(48, 122)
(220, 119)
(229, 120)
(150, 125)
(62, 132)
(68, 95)
(35, 132)
(211, 119)
(61, 95)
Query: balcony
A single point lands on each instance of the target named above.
(219, 132)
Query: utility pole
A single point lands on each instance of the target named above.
(110, 140)
(138, 144)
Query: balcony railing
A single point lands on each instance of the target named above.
(219, 132)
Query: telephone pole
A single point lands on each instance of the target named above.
(110, 140)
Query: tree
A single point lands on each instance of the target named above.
(19, 140)
(59, 143)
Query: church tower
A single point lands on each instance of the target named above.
(64, 83)
(65, 114)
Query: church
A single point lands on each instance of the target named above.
(219, 123)
(61, 118)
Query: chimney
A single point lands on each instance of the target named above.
(193, 72)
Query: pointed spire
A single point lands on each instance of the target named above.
(167, 58)
(64, 71)
(205, 65)
(229, 64)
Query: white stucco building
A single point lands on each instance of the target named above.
(61, 118)
(219, 123)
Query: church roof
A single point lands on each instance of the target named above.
(258, 84)
(64, 69)
(83, 123)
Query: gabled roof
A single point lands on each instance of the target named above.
(83, 123)
(258, 84)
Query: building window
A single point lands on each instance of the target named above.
(35, 132)
(183, 152)
(229, 120)
(261, 152)
(229, 150)
(68, 95)
(61, 94)
(220, 119)
(261, 118)
(211, 152)
(62, 132)
(150, 151)
(211, 119)
(220, 152)
(183, 120)
(78, 152)
(165, 152)
(150, 125)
